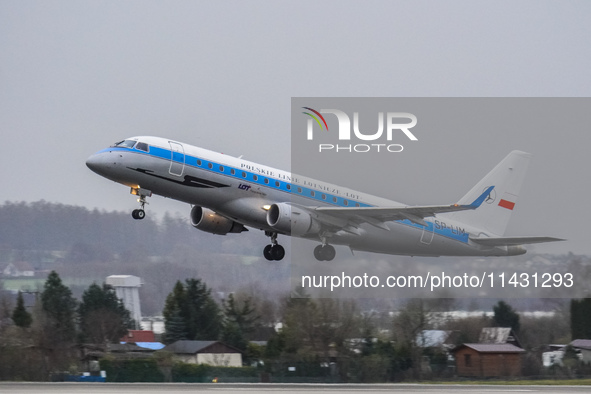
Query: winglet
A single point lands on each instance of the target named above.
(476, 203)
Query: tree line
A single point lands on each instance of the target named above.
(45, 339)
(88, 245)
(86, 234)
(328, 338)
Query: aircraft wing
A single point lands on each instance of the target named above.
(378, 215)
(508, 241)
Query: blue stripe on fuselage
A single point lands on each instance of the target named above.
(277, 184)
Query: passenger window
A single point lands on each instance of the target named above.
(357, 204)
(243, 174)
(334, 199)
(324, 196)
(346, 202)
(299, 189)
(266, 181)
(312, 193)
(256, 178)
(210, 165)
(288, 186)
(222, 168)
(232, 171)
(198, 162)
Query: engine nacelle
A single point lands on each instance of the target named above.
(207, 220)
(291, 220)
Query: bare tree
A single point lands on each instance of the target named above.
(408, 324)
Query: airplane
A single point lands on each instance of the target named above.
(229, 194)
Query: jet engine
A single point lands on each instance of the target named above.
(291, 220)
(207, 220)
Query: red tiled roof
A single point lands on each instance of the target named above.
(139, 336)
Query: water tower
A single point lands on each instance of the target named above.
(127, 288)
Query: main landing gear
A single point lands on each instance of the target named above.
(324, 252)
(274, 251)
(143, 193)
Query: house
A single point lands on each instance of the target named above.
(488, 359)
(498, 335)
(584, 347)
(139, 336)
(143, 338)
(17, 269)
(206, 352)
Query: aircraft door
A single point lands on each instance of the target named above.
(177, 158)
(427, 234)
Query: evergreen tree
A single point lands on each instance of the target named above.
(209, 322)
(60, 308)
(103, 317)
(580, 318)
(196, 308)
(174, 327)
(233, 336)
(175, 314)
(505, 316)
(20, 316)
(203, 318)
(239, 322)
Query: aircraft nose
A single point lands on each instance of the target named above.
(92, 162)
(97, 163)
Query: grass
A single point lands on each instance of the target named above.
(531, 382)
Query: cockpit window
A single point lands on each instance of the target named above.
(142, 146)
(125, 144)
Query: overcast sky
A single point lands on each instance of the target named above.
(76, 76)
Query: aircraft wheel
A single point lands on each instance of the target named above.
(318, 253)
(324, 253)
(277, 252)
(138, 214)
(267, 252)
(329, 252)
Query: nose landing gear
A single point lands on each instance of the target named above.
(143, 194)
(138, 214)
(274, 251)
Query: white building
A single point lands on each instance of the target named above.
(20, 268)
(553, 357)
(127, 288)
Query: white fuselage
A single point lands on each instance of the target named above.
(242, 191)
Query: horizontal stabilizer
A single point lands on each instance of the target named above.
(510, 241)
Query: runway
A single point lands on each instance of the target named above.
(227, 388)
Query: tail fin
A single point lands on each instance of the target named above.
(494, 213)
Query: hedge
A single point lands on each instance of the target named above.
(147, 370)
